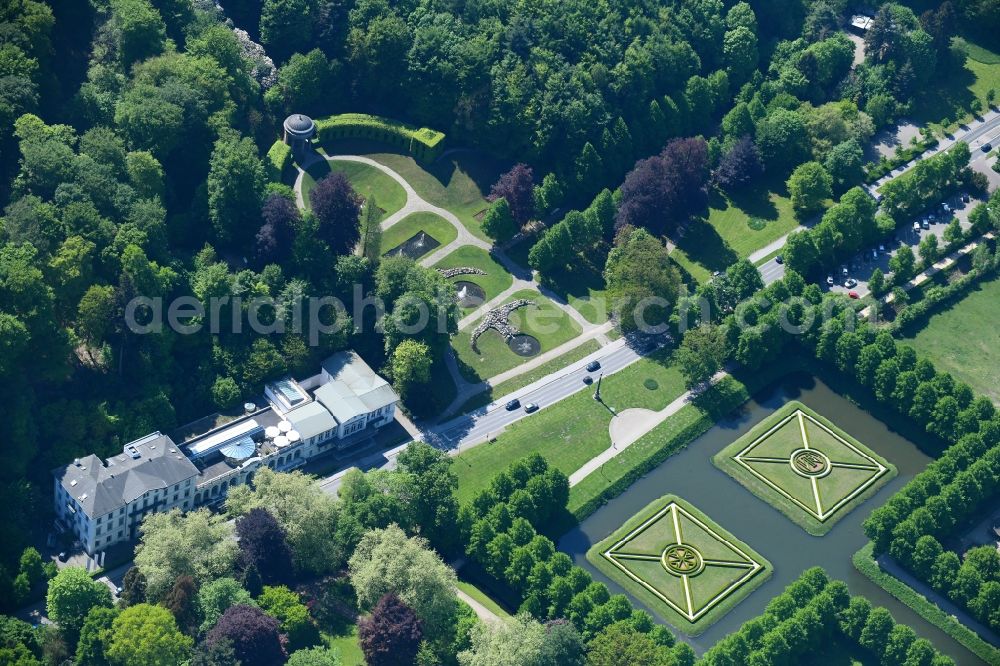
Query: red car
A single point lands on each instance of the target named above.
(853, 294)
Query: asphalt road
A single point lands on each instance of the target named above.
(987, 131)
(478, 426)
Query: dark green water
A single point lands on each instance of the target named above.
(691, 475)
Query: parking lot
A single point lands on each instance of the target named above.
(862, 265)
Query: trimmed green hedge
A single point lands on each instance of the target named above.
(922, 606)
(422, 143)
(279, 158)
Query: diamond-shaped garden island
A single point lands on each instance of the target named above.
(680, 563)
(805, 466)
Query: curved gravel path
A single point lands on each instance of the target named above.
(414, 204)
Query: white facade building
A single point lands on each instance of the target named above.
(339, 408)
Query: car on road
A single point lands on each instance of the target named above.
(513, 404)
(829, 280)
(986, 147)
(593, 366)
(588, 380)
(779, 259)
(850, 282)
(853, 294)
(530, 407)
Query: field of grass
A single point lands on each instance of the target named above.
(496, 280)
(551, 325)
(458, 182)
(951, 96)
(347, 643)
(737, 225)
(771, 212)
(680, 563)
(846, 471)
(367, 181)
(964, 339)
(575, 430)
(513, 384)
(434, 226)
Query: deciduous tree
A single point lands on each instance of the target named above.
(254, 635)
(147, 635)
(391, 634)
(337, 209)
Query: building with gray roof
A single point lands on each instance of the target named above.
(103, 502)
(339, 408)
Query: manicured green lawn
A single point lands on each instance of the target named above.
(434, 226)
(496, 280)
(367, 181)
(737, 225)
(481, 597)
(347, 643)
(680, 563)
(458, 182)
(964, 340)
(951, 97)
(573, 431)
(514, 383)
(805, 466)
(731, 217)
(544, 320)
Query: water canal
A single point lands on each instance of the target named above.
(691, 475)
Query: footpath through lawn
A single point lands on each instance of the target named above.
(575, 430)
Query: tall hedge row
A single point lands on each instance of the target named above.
(422, 143)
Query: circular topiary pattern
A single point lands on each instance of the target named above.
(651, 384)
(756, 223)
(682, 560)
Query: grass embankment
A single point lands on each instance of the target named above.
(366, 180)
(865, 563)
(574, 430)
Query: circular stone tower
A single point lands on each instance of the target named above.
(299, 129)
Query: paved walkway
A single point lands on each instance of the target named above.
(414, 204)
(484, 613)
(630, 425)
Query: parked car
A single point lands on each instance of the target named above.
(916, 227)
(966, 198)
(986, 147)
(881, 249)
(925, 223)
(779, 259)
(62, 556)
(946, 208)
(530, 407)
(850, 282)
(593, 366)
(513, 404)
(874, 254)
(853, 294)
(843, 271)
(829, 280)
